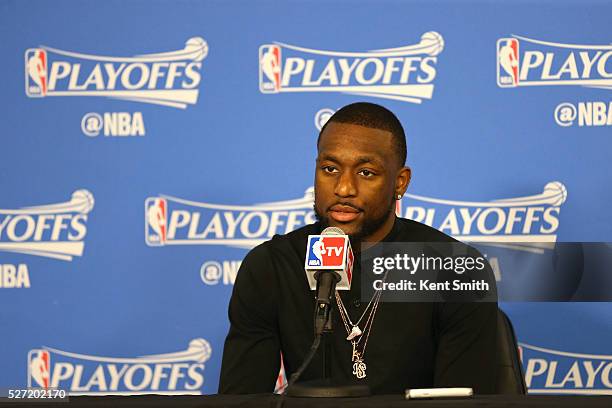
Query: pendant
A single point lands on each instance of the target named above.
(359, 369)
(356, 355)
(355, 332)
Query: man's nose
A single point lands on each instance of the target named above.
(345, 186)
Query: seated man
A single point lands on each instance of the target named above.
(360, 173)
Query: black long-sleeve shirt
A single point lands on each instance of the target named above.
(411, 345)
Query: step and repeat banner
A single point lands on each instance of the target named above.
(148, 145)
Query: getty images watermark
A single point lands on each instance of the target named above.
(510, 271)
(426, 272)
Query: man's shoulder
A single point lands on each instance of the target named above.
(295, 240)
(292, 243)
(298, 234)
(413, 231)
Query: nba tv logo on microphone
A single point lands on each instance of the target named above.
(326, 252)
(329, 252)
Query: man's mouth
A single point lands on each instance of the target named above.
(343, 213)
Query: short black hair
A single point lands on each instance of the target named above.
(373, 116)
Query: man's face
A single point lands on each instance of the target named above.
(356, 180)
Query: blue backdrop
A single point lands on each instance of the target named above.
(147, 145)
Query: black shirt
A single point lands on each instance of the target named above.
(411, 345)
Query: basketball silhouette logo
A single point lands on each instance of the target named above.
(557, 193)
(434, 41)
(198, 47)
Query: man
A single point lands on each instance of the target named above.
(359, 176)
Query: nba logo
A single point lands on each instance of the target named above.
(326, 251)
(269, 68)
(36, 72)
(39, 368)
(156, 210)
(507, 62)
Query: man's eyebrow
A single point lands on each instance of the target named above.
(359, 159)
(327, 156)
(368, 159)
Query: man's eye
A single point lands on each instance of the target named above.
(366, 173)
(329, 169)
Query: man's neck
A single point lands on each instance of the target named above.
(377, 236)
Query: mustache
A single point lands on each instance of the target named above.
(346, 204)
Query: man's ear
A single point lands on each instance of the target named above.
(402, 180)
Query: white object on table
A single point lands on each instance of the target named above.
(439, 393)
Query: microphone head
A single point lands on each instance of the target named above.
(332, 231)
(331, 250)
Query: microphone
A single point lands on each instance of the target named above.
(329, 267)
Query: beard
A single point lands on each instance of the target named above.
(367, 228)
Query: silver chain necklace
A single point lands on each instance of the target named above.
(355, 334)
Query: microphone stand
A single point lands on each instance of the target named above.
(326, 288)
